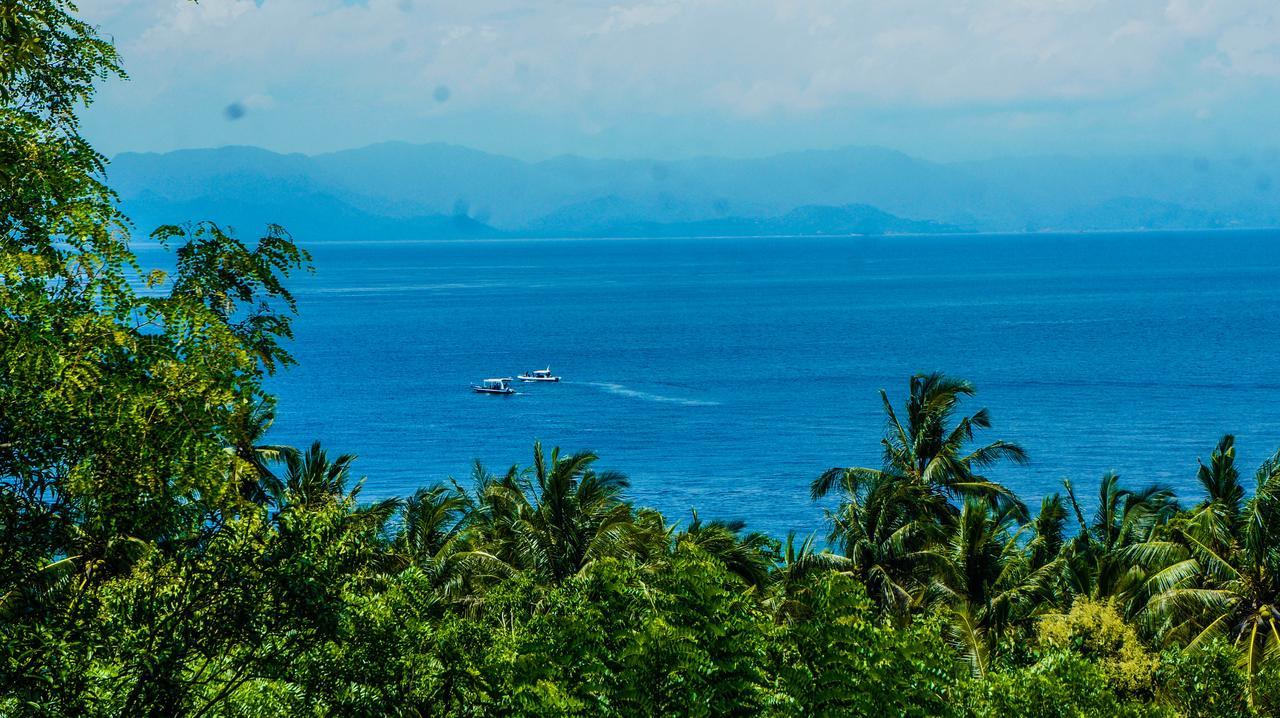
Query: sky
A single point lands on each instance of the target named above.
(946, 80)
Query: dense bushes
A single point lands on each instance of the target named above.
(267, 620)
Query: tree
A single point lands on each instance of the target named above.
(115, 406)
(838, 660)
(883, 525)
(1061, 685)
(985, 581)
(246, 433)
(313, 479)
(56, 220)
(1217, 519)
(748, 556)
(555, 523)
(1101, 559)
(1204, 681)
(885, 518)
(926, 450)
(432, 520)
(1202, 589)
(799, 562)
(1097, 631)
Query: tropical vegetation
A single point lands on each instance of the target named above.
(160, 556)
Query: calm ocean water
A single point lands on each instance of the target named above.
(725, 374)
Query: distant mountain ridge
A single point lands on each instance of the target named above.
(398, 190)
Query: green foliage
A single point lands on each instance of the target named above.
(239, 285)
(50, 60)
(1266, 691)
(703, 651)
(839, 658)
(1060, 685)
(1096, 631)
(159, 557)
(1204, 681)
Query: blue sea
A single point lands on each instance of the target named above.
(725, 374)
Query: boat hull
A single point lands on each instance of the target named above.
(530, 379)
(482, 390)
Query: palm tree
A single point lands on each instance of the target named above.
(246, 432)
(1048, 531)
(1101, 559)
(432, 538)
(431, 521)
(493, 507)
(1218, 518)
(887, 517)
(799, 561)
(1214, 584)
(648, 540)
(554, 519)
(928, 450)
(312, 479)
(748, 556)
(986, 581)
(882, 524)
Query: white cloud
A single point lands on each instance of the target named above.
(622, 18)
(597, 63)
(1252, 50)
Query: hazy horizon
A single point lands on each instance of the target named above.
(1264, 153)
(673, 80)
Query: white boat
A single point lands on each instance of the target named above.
(493, 386)
(538, 375)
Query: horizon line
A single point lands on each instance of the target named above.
(1269, 153)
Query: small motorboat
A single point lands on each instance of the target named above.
(538, 375)
(493, 386)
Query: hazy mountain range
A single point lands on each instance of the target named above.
(397, 190)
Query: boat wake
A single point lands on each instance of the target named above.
(622, 390)
(403, 288)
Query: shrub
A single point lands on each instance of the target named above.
(1095, 631)
(1061, 685)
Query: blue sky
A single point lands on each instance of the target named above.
(944, 80)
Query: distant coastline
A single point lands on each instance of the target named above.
(141, 242)
(402, 191)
